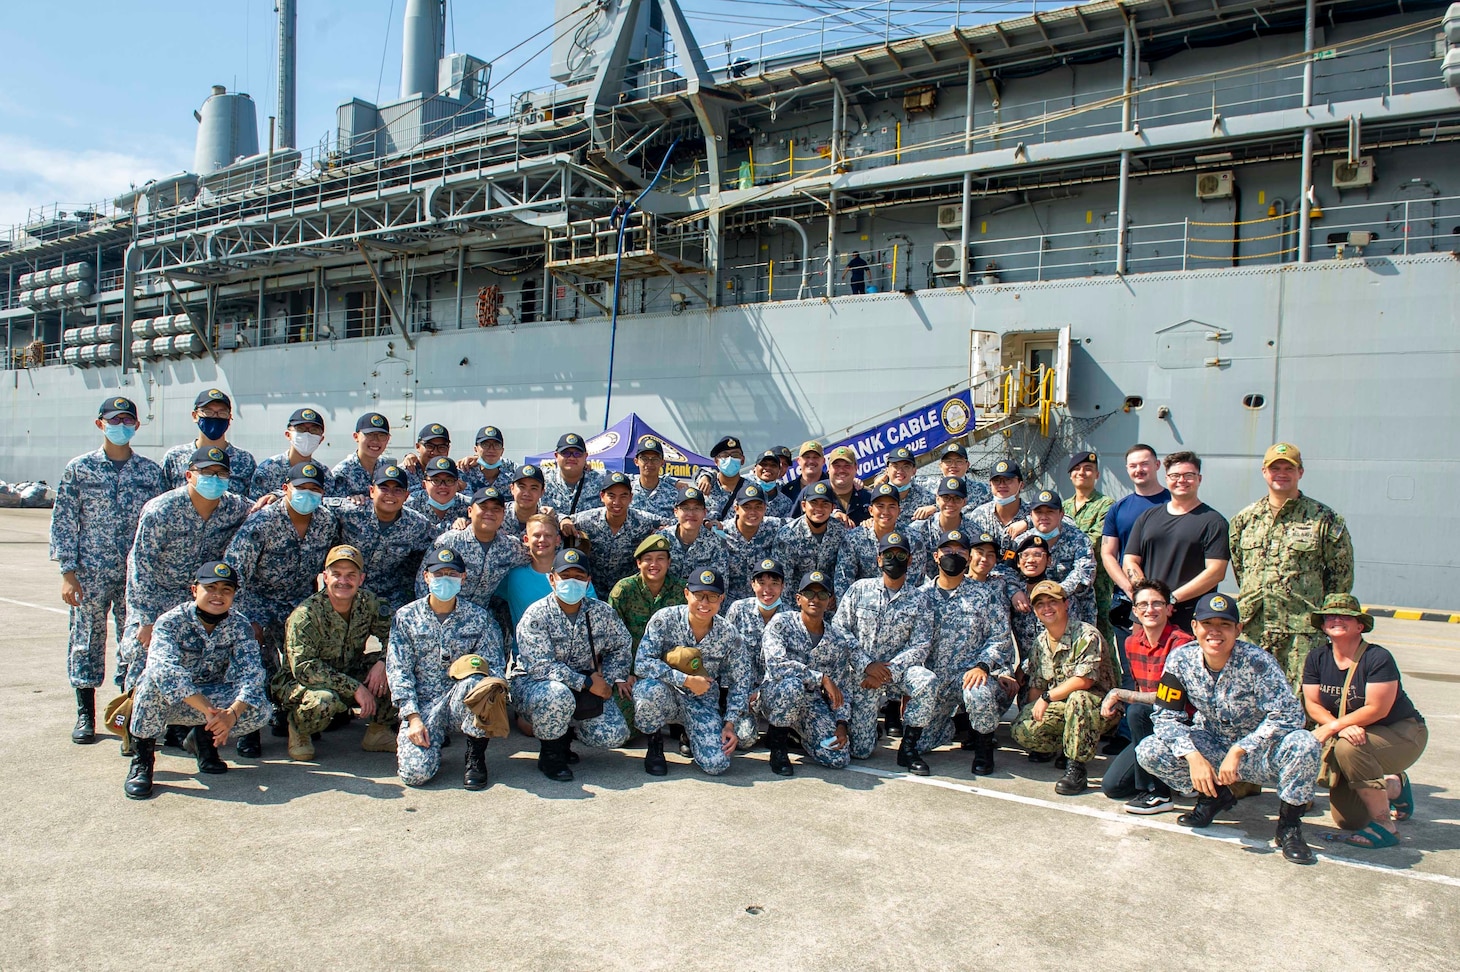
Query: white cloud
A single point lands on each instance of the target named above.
(32, 176)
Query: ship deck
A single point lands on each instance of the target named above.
(276, 862)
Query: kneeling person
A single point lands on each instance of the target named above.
(687, 658)
(808, 663)
(433, 694)
(203, 670)
(328, 669)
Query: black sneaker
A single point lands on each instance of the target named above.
(1145, 804)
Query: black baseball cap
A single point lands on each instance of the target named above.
(784, 452)
(817, 491)
(433, 430)
(616, 479)
(984, 540)
(570, 440)
(439, 465)
(885, 491)
(215, 571)
(953, 449)
(443, 557)
(707, 580)
(210, 456)
(816, 579)
(210, 396)
(1047, 497)
(648, 443)
(690, 495)
(489, 433)
(893, 541)
(391, 473)
(1216, 605)
(900, 454)
(305, 416)
(489, 494)
(308, 471)
(769, 566)
(117, 406)
(569, 557)
(958, 537)
(373, 422)
(529, 472)
(770, 455)
(749, 493)
(952, 486)
(1006, 469)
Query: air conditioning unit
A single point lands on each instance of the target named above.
(950, 217)
(945, 259)
(1352, 175)
(1214, 185)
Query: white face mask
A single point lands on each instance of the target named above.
(305, 442)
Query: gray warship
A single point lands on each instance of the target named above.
(1204, 224)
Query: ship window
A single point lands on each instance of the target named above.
(1253, 401)
(1133, 402)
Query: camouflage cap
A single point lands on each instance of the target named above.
(1282, 452)
(1343, 605)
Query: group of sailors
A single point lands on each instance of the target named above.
(789, 603)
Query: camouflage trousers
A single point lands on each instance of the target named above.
(269, 618)
(1073, 726)
(1289, 762)
(416, 765)
(311, 710)
(1290, 651)
(790, 705)
(549, 706)
(658, 704)
(86, 649)
(919, 684)
(983, 703)
(155, 706)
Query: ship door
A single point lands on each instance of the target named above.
(1043, 358)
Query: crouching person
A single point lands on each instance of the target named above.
(203, 670)
(574, 653)
(694, 671)
(1248, 726)
(433, 694)
(808, 666)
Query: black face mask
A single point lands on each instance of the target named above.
(208, 617)
(952, 564)
(894, 568)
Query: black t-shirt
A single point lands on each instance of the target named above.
(1174, 549)
(1377, 665)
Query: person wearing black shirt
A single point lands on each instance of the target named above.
(1182, 543)
(856, 269)
(1369, 741)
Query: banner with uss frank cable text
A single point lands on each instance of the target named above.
(919, 431)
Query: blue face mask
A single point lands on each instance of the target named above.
(213, 428)
(570, 590)
(489, 465)
(903, 488)
(1006, 500)
(437, 504)
(303, 502)
(1048, 536)
(211, 487)
(729, 466)
(119, 434)
(444, 588)
(768, 607)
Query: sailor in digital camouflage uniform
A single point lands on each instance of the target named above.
(692, 547)
(1031, 564)
(892, 622)
(202, 670)
(305, 432)
(808, 679)
(440, 499)
(487, 551)
(972, 653)
(177, 531)
(353, 475)
(1070, 669)
(750, 615)
(426, 636)
(1071, 558)
(998, 514)
(654, 492)
(924, 535)
(392, 539)
(615, 530)
(571, 486)
(526, 491)
(329, 666)
(749, 538)
(953, 462)
(723, 484)
(569, 643)
(213, 411)
(713, 665)
(858, 557)
(813, 541)
(913, 493)
(766, 474)
(1289, 552)
(1087, 508)
(1248, 726)
(433, 440)
(487, 466)
(93, 522)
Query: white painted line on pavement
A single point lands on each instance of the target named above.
(38, 607)
(1146, 822)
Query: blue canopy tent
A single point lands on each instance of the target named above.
(613, 451)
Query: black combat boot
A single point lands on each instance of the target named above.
(775, 740)
(654, 763)
(251, 746)
(1290, 835)
(892, 718)
(1040, 757)
(983, 753)
(1061, 761)
(139, 775)
(907, 753)
(963, 730)
(573, 758)
(1207, 808)
(1074, 781)
(475, 777)
(552, 759)
(176, 737)
(85, 731)
(278, 724)
(200, 744)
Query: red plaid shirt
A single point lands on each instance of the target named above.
(1148, 662)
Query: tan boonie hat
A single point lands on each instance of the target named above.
(1282, 452)
(467, 665)
(118, 717)
(487, 703)
(843, 452)
(345, 552)
(1345, 605)
(684, 658)
(1046, 588)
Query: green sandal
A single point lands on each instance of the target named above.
(1403, 807)
(1374, 837)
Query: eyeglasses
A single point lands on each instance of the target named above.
(121, 420)
(895, 556)
(572, 454)
(1148, 606)
(1183, 477)
(817, 596)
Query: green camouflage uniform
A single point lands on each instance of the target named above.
(326, 660)
(1286, 563)
(1090, 518)
(635, 606)
(1073, 725)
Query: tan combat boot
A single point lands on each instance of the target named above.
(378, 738)
(300, 745)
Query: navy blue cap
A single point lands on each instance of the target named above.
(893, 541)
(901, 455)
(391, 473)
(957, 536)
(210, 396)
(768, 566)
(770, 455)
(817, 491)
(1082, 457)
(984, 540)
(528, 472)
(727, 444)
(1032, 541)
(690, 495)
(953, 449)
(1006, 468)
(442, 558)
(616, 479)
(706, 580)
(1216, 605)
(305, 416)
(1047, 497)
(816, 579)
(489, 494)
(784, 452)
(570, 440)
(307, 471)
(952, 486)
(214, 571)
(648, 443)
(442, 464)
(749, 493)
(373, 422)
(569, 557)
(210, 456)
(433, 430)
(117, 406)
(882, 490)
(489, 433)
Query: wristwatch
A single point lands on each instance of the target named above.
(1045, 696)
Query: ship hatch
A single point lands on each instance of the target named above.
(1042, 356)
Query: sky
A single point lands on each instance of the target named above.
(98, 95)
